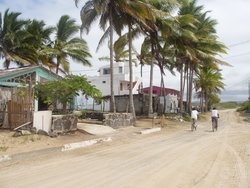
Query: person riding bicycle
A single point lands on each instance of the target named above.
(194, 116)
(215, 116)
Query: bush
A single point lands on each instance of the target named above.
(228, 105)
(244, 107)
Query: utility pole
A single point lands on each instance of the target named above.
(248, 95)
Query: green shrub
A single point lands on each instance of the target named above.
(244, 107)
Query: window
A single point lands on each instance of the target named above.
(154, 91)
(106, 71)
(120, 69)
(104, 82)
(121, 87)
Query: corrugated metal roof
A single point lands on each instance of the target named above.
(13, 71)
(9, 72)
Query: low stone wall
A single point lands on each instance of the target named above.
(116, 120)
(92, 115)
(64, 123)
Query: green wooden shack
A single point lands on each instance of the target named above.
(17, 102)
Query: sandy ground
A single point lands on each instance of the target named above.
(171, 158)
(13, 145)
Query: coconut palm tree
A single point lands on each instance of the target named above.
(118, 14)
(40, 40)
(200, 48)
(209, 82)
(67, 45)
(108, 13)
(12, 40)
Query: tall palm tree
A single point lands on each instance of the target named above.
(67, 45)
(200, 48)
(40, 40)
(117, 13)
(108, 13)
(12, 40)
(209, 82)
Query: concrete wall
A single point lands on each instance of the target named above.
(172, 103)
(64, 123)
(122, 102)
(117, 120)
(42, 120)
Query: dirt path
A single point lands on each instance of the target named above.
(182, 159)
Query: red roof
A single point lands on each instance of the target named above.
(157, 90)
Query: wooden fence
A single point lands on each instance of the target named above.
(20, 107)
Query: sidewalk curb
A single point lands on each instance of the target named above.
(4, 158)
(66, 147)
(86, 143)
(148, 131)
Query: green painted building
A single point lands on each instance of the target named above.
(24, 76)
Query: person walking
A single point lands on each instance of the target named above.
(214, 117)
(194, 116)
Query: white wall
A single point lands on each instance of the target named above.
(102, 82)
(171, 103)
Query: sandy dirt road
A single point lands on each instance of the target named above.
(183, 159)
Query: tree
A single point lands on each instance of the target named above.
(108, 12)
(66, 45)
(40, 40)
(209, 83)
(65, 89)
(13, 47)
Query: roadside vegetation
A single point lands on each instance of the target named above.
(244, 107)
(228, 105)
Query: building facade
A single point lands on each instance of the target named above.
(121, 80)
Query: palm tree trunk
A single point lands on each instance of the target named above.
(206, 101)
(181, 89)
(112, 96)
(187, 94)
(164, 93)
(141, 85)
(131, 100)
(191, 88)
(150, 107)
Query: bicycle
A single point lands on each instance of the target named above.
(193, 125)
(214, 124)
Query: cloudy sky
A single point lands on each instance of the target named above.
(233, 29)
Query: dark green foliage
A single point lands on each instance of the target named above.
(65, 89)
(244, 107)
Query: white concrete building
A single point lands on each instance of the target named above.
(121, 80)
(171, 103)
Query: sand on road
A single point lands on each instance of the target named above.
(184, 159)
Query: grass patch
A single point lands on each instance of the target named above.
(3, 148)
(186, 118)
(228, 105)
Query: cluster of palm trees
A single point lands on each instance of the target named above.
(30, 42)
(178, 36)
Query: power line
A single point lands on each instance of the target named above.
(240, 43)
(237, 55)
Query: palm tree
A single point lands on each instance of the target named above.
(117, 14)
(201, 48)
(66, 45)
(12, 40)
(108, 12)
(209, 82)
(40, 40)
